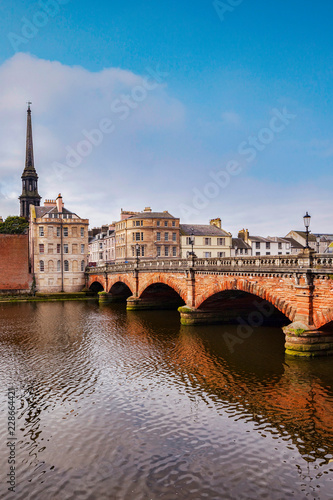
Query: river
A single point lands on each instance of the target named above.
(133, 406)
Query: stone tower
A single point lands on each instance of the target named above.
(29, 194)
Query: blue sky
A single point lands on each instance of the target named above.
(223, 77)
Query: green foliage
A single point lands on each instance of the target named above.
(298, 331)
(14, 225)
(330, 276)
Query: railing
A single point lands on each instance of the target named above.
(281, 263)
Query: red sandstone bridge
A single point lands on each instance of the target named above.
(209, 291)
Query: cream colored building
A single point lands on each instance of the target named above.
(147, 235)
(58, 242)
(102, 246)
(209, 240)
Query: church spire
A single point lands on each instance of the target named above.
(29, 194)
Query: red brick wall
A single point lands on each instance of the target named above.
(14, 262)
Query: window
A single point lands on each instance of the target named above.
(66, 265)
(280, 246)
(166, 236)
(137, 237)
(208, 241)
(100, 245)
(41, 248)
(158, 223)
(279, 253)
(173, 223)
(142, 251)
(158, 236)
(268, 253)
(174, 251)
(241, 250)
(82, 232)
(137, 223)
(158, 251)
(166, 251)
(65, 231)
(82, 265)
(50, 248)
(221, 254)
(58, 231)
(221, 241)
(82, 248)
(208, 255)
(174, 236)
(257, 253)
(189, 240)
(268, 245)
(58, 248)
(41, 266)
(65, 248)
(41, 231)
(257, 244)
(100, 255)
(58, 266)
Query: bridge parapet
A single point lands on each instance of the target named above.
(320, 264)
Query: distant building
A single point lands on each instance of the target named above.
(58, 247)
(240, 248)
(209, 240)
(102, 245)
(272, 245)
(147, 234)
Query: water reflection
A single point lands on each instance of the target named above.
(133, 405)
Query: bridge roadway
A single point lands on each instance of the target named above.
(299, 286)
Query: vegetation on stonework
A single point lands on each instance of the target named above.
(298, 331)
(14, 225)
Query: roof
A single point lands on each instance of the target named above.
(303, 235)
(294, 243)
(152, 215)
(240, 243)
(201, 230)
(42, 211)
(260, 238)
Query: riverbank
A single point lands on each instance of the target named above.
(48, 297)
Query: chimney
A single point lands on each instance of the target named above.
(244, 235)
(50, 203)
(147, 209)
(59, 203)
(216, 222)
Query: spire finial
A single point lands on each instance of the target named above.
(28, 103)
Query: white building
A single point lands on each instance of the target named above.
(102, 246)
(272, 245)
(209, 240)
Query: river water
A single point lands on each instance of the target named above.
(133, 406)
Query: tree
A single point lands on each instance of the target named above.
(14, 225)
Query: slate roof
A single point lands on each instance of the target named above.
(303, 234)
(152, 215)
(240, 243)
(42, 211)
(294, 243)
(201, 230)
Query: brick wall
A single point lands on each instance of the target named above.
(14, 263)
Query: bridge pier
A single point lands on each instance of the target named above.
(140, 304)
(192, 316)
(306, 341)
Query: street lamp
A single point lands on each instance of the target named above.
(137, 252)
(191, 242)
(307, 219)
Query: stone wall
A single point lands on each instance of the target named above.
(14, 263)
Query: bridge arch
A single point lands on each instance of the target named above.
(244, 286)
(96, 286)
(121, 289)
(323, 318)
(165, 280)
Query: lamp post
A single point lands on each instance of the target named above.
(137, 251)
(307, 219)
(191, 242)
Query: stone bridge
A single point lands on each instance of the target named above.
(296, 291)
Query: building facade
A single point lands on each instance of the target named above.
(58, 247)
(209, 240)
(272, 245)
(147, 235)
(102, 246)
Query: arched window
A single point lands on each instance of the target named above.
(82, 265)
(66, 265)
(41, 266)
(58, 266)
